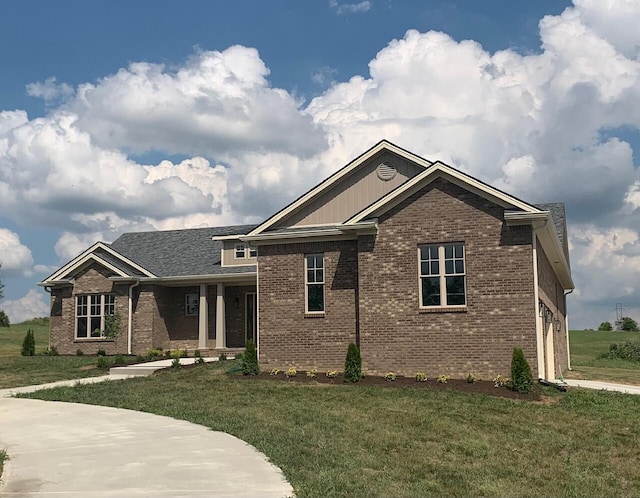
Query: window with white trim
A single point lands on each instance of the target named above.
(191, 304)
(91, 310)
(314, 283)
(442, 275)
(240, 251)
(253, 251)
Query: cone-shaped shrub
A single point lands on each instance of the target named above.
(250, 360)
(28, 344)
(353, 364)
(521, 377)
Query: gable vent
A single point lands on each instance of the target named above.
(386, 171)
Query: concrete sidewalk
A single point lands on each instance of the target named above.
(74, 450)
(605, 386)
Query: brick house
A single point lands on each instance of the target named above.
(424, 267)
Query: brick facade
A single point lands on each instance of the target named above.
(376, 279)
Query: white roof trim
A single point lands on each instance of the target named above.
(314, 192)
(228, 237)
(438, 170)
(332, 230)
(71, 265)
(78, 263)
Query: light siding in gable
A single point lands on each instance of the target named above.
(353, 193)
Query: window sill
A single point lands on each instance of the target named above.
(444, 309)
(92, 339)
(314, 315)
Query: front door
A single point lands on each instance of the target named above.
(251, 317)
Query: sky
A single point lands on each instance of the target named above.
(124, 116)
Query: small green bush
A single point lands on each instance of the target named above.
(52, 351)
(628, 350)
(79, 352)
(353, 364)
(420, 377)
(291, 372)
(521, 376)
(237, 357)
(443, 379)
(274, 371)
(501, 381)
(198, 356)
(175, 364)
(390, 377)
(155, 354)
(222, 357)
(471, 378)
(28, 344)
(103, 362)
(250, 360)
(312, 373)
(332, 374)
(101, 352)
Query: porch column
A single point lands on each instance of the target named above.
(221, 333)
(203, 318)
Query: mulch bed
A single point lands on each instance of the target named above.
(480, 386)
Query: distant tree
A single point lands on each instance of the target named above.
(4, 319)
(605, 326)
(1, 285)
(629, 324)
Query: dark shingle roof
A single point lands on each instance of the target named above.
(559, 216)
(178, 253)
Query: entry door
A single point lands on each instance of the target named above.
(251, 316)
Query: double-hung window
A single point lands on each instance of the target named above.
(314, 283)
(239, 251)
(442, 275)
(91, 311)
(191, 304)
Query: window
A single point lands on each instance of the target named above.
(253, 252)
(91, 311)
(240, 251)
(442, 275)
(191, 302)
(314, 280)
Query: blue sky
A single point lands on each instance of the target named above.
(122, 116)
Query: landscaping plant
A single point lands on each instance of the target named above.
(250, 360)
(29, 344)
(521, 376)
(353, 364)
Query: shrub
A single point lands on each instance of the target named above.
(291, 372)
(103, 362)
(274, 371)
(605, 327)
(154, 354)
(28, 344)
(353, 364)
(119, 360)
(312, 373)
(500, 381)
(113, 326)
(53, 351)
(628, 350)
(521, 377)
(198, 356)
(101, 352)
(250, 360)
(238, 356)
(420, 377)
(443, 379)
(390, 377)
(4, 319)
(471, 378)
(332, 374)
(222, 357)
(175, 364)
(79, 352)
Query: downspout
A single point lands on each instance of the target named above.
(130, 324)
(566, 328)
(536, 299)
(48, 291)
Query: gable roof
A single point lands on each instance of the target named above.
(558, 215)
(167, 253)
(305, 198)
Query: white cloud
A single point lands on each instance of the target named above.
(50, 91)
(350, 8)
(32, 305)
(15, 257)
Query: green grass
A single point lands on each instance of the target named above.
(3, 458)
(349, 440)
(586, 346)
(16, 370)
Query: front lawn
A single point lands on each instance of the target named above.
(587, 345)
(345, 440)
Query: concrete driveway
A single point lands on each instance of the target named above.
(73, 450)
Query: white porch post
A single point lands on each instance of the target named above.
(221, 333)
(203, 317)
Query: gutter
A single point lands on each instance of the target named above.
(368, 227)
(566, 328)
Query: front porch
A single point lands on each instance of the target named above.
(216, 317)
